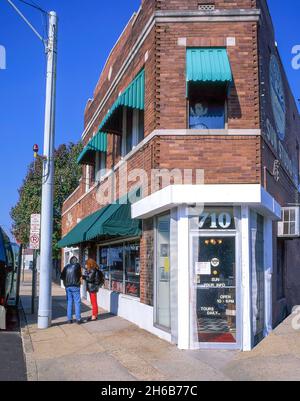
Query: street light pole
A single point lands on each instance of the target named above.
(45, 298)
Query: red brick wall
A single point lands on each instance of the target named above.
(225, 160)
(243, 102)
(192, 5)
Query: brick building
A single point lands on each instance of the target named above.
(194, 122)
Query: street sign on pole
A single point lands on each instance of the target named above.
(35, 228)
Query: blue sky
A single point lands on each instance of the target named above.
(88, 29)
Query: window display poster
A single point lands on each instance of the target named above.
(203, 268)
(167, 265)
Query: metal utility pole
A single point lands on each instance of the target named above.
(45, 298)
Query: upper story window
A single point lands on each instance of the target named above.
(208, 80)
(132, 129)
(100, 166)
(206, 110)
(125, 119)
(93, 158)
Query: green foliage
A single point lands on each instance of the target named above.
(67, 174)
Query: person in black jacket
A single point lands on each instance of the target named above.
(94, 280)
(71, 276)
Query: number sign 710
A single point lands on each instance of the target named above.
(223, 220)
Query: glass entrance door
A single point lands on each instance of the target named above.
(214, 289)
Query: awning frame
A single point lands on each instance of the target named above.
(132, 97)
(97, 144)
(208, 66)
(103, 223)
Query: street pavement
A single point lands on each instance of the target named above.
(115, 349)
(12, 363)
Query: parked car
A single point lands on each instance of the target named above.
(7, 268)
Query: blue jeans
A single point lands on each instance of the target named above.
(73, 297)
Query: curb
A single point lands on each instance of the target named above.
(31, 367)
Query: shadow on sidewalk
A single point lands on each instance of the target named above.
(59, 311)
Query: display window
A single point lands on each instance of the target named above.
(132, 269)
(121, 267)
(163, 271)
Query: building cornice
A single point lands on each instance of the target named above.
(238, 15)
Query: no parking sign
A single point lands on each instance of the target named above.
(35, 227)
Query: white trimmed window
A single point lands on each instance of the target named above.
(133, 129)
(100, 166)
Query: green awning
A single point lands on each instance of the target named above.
(113, 220)
(97, 144)
(133, 97)
(208, 66)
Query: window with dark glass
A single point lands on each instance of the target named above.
(121, 267)
(8, 251)
(132, 269)
(116, 263)
(207, 107)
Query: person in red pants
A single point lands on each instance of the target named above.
(94, 279)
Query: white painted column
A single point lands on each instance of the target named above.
(246, 280)
(268, 255)
(183, 279)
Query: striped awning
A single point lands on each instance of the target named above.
(97, 144)
(208, 66)
(133, 97)
(113, 220)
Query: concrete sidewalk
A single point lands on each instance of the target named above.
(114, 349)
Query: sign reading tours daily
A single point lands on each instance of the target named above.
(275, 131)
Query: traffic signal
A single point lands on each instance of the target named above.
(35, 150)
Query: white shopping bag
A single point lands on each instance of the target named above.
(2, 318)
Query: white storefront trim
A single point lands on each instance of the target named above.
(268, 259)
(253, 195)
(183, 278)
(246, 280)
(245, 197)
(131, 309)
